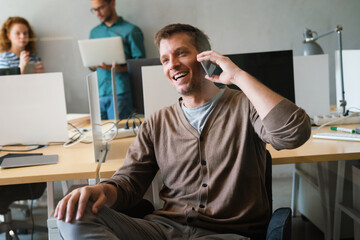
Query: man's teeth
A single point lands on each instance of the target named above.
(180, 75)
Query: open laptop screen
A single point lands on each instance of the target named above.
(107, 50)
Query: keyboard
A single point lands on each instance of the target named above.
(338, 136)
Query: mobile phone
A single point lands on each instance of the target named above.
(209, 67)
(30, 67)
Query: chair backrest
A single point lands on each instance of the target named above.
(268, 179)
(280, 224)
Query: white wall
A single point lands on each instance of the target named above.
(234, 26)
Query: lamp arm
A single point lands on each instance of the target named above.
(337, 29)
(342, 101)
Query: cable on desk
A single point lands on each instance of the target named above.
(80, 135)
(127, 123)
(135, 116)
(114, 128)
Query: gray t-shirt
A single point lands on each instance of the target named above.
(197, 116)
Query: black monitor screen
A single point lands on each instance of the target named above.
(134, 70)
(10, 71)
(273, 69)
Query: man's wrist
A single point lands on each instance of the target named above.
(238, 76)
(110, 191)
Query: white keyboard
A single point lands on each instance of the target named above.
(338, 136)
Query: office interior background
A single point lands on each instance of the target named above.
(233, 27)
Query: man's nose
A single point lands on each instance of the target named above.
(174, 62)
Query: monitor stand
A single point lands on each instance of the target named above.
(100, 149)
(113, 82)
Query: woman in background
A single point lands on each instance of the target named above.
(17, 46)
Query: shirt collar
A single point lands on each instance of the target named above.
(117, 21)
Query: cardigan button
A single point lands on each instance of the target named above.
(204, 185)
(201, 206)
(203, 162)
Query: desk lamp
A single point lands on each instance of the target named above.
(312, 48)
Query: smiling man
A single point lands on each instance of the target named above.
(113, 25)
(210, 147)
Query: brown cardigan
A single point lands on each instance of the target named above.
(215, 179)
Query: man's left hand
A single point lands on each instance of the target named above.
(230, 70)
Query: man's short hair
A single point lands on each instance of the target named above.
(199, 39)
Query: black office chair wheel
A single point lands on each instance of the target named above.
(11, 235)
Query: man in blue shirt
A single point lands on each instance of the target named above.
(113, 25)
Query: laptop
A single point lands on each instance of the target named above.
(107, 50)
(33, 109)
(26, 160)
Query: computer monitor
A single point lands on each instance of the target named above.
(274, 69)
(10, 71)
(134, 70)
(351, 73)
(158, 91)
(100, 149)
(33, 109)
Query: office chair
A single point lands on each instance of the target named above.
(279, 227)
(11, 193)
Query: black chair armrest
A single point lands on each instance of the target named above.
(279, 227)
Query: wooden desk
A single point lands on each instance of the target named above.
(75, 163)
(321, 151)
(314, 150)
(317, 151)
(116, 156)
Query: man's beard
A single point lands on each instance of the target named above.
(108, 18)
(194, 87)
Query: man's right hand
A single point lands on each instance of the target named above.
(100, 194)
